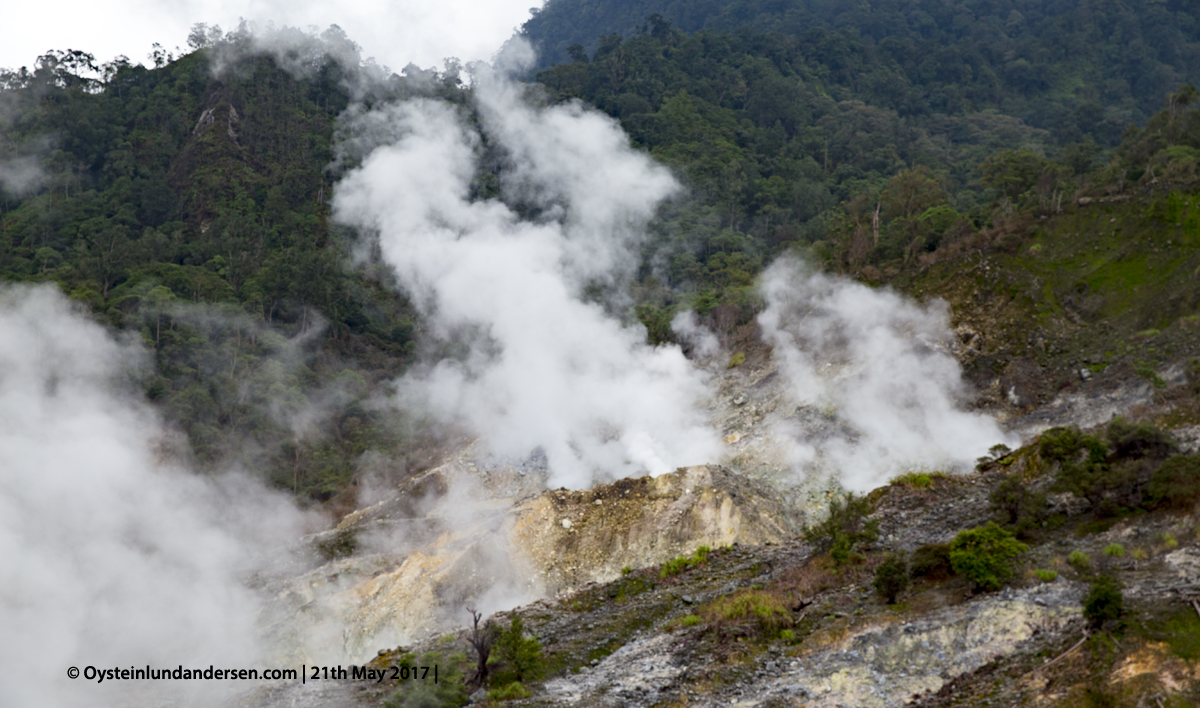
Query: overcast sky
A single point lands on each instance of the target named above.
(394, 32)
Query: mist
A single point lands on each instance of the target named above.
(874, 369)
(543, 365)
(114, 556)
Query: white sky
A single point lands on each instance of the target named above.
(394, 32)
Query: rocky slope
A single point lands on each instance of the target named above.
(649, 638)
(407, 567)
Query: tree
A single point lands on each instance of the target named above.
(481, 639)
(846, 529)
(517, 657)
(1176, 482)
(984, 555)
(1013, 173)
(1020, 508)
(891, 577)
(1104, 602)
(1139, 440)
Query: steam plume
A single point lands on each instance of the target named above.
(546, 367)
(877, 367)
(112, 558)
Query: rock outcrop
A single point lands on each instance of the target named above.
(408, 567)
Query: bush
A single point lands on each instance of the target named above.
(517, 658)
(931, 561)
(1088, 476)
(509, 692)
(845, 530)
(1046, 576)
(891, 577)
(1114, 550)
(1060, 444)
(449, 691)
(1080, 561)
(690, 621)
(1019, 508)
(1176, 483)
(1141, 440)
(984, 555)
(1104, 601)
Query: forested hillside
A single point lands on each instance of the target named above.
(863, 140)
(1068, 66)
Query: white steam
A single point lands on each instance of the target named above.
(547, 368)
(876, 370)
(111, 557)
(704, 341)
(21, 175)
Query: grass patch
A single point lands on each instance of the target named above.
(675, 566)
(1114, 550)
(690, 621)
(1045, 575)
(1080, 561)
(750, 607)
(514, 691)
(918, 480)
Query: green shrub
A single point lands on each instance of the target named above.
(516, 657)
(931, 561)
(1080, 561)
(1046, 576)
(1176, 482)
(1114, 550)
(845, 530)
(1019, 508)
(891, 577)
(1139, 440)
(1168, 539)
(984, 555)
(1060, 444)
(450, 691)
(1085, 469)
(509, 692)
(690, 621)
(787, 635)
(1104, 601)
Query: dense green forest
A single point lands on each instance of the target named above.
(187, 201)
(1075, 67)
